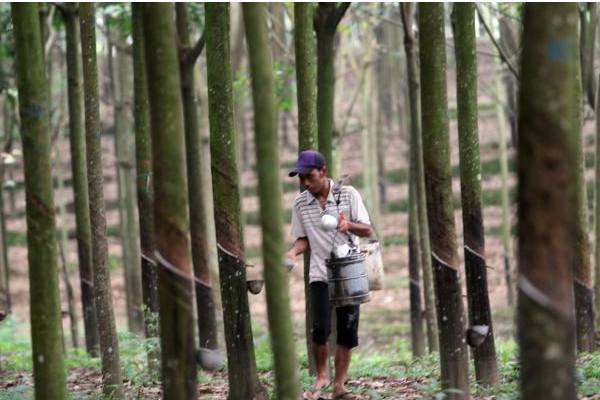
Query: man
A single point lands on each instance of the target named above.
(323, 196)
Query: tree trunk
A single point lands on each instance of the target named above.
(118, 72)
(243, 378)
(582, 269)
(480, 313)
(145, 184)
(547, 174)
(414, 261)
(383, 76)
(304, 42)
(4, 275)
(509, 41)
(279, 45)
(207, 322)
(505, 196)
(326, 19)
(109, 345)
(597, 216)
(438, 183)
(271, 210)
(369, 152)
(417, 141)
(588, 17)
(170, 203)
(80, 183)
(46, 328)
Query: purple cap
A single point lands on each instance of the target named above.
(307, 161)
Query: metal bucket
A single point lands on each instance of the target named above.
(348, 281)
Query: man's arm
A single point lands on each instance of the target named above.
(299, 247)
(358, 228)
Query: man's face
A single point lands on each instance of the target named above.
(315, 181)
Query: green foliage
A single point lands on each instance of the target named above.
(284, 92)
(395, 240)
(196, 14)
(6, 35)
(15, 348)
(119, 16)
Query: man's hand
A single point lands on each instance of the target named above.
(291, 255)
(343, 225)
(357, 228)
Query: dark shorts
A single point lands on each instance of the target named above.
(347, 318)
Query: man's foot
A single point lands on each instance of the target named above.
(314, 393)
(346, 395)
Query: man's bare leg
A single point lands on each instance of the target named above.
(343, 355)
(321, 357)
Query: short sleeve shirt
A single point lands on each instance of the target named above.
(306, 222)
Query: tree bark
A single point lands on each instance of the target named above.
(547, 174)
(117, 65)
(207, 323)
(597, 215)
(588, 17)
(306, 84)
(505, 195)
(480, 314)
(326, 19)
(145, 182)
(271, 210)
(369, 139)
(107, 331)
(582, 269)
(438, 183)
(172, 250)
(416, 140)
(280, 63)
(80, 183)
(205, 305)
(509, 43)
(45, 313)
(243, 378)
(414, 261)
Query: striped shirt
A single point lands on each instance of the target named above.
(306, 222)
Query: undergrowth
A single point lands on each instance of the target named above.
(391, 360)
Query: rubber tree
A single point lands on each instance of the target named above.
(505, 225)
(438, 184)
(510, 38)
(79, 173)
(107, 331)
(171, 223)
(327, 17)
(480, 313)
(241, 361)
(597, 216)
(546, 196)
(119, 73)
(582, 268)
(279, 43)
(382, 76)
(588, 15)
(205, 305)
(44, 299)
(416, 141)
(306, 92)
(271, 203)
(417, 337)
(145, 191)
